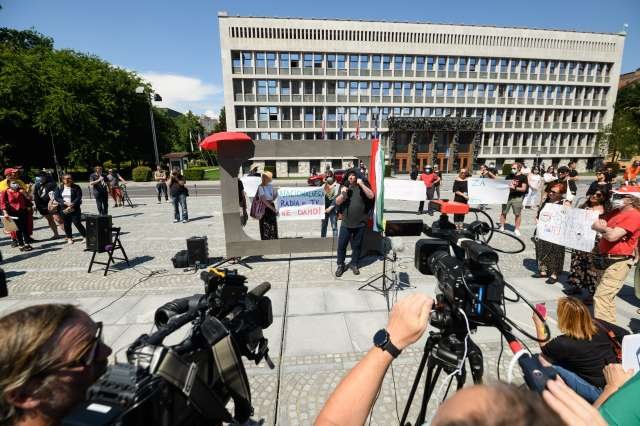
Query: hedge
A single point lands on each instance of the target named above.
(506, 169)
(387, 170)
(194, 173)
(141, 174)
(271, 169)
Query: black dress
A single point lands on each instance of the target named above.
(461, 186)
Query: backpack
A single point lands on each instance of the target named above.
(257, 207)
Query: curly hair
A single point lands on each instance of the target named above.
(25, 351)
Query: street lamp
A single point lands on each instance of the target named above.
(157, 98)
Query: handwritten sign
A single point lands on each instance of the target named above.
(401, 189)
(296, 203)
(487, 191)
(251, 184)
(567, 227)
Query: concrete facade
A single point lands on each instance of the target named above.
(542, 94)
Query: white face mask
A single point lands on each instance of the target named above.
(514, 170)
(617, 203)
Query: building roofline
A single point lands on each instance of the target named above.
(226, 15)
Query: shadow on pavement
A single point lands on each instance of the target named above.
(200, 218)
(30, 254)
(133, 262)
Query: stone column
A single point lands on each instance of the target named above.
(453, 154)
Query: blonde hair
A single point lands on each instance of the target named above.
(25, 352)
(574, 319)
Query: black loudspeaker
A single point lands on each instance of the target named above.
(424, 249)
(198, 250)
(180, 259)
(403, 228)
(98, 232)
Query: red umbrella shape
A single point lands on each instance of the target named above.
(210, 143)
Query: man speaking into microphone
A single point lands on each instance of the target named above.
(354, 202)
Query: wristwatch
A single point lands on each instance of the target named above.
(382, 340)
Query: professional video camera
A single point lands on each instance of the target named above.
(471, 294)
(189, 383)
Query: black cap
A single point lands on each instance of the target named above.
(563, 169)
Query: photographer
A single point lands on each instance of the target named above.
(179, 193)
(353, 399)
(49, 356)
(355, 201)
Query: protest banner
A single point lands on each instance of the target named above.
(296, 203)
(402, 189)
(251, 184)
(487, 191)
(567, 226)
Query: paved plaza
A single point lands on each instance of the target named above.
(322, 325)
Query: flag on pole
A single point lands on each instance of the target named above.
(324, 125)
(376, 179)
(375, 124)
(190, 140)
(358, 129)
(341, 129)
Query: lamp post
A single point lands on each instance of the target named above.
(157, 98)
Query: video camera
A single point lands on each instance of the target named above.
(189, 383)
(464, 268)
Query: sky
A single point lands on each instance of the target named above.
(175, 45)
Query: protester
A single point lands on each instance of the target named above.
(486, 172)
(535, 182)
(583, 349)
(49, 356)
(600, 184)
(612, 176)
(480, 405)
(618, 402)
(355, 203)
(461, 195)
(12, 175)
(429, 178)
(15, 205)
(550, 256)
(331, 191)
(69, 198)
(414, 172)
(631, 173)
(160, 176)
(100, 188)
(267, 195)
(363, 169)
(436, 184)
(584, 274)
(517, 189)
(42, 191)
(254, 171)
(620, 232)
(179, 193)
(573, 177)
(564, 178)
(113, 180)
(550, 175)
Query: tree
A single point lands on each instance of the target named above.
(621, 138)
(221, 125)
(189, 130)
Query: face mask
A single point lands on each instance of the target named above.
(15, 186)
(617, 203)
(514, 170)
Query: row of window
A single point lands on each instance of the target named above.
(342, 115)
(418, 89)
(538, 139)
(417, 37)
(416, 63)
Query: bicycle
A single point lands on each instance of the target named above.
(125, 196)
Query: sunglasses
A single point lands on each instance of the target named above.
(597, 194)
(89, 353)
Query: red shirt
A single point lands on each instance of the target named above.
(629, 220)
(428, 179)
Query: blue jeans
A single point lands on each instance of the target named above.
(580, 386)
(333, 218)
(353, 235)
(180, 203)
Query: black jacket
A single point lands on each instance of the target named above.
(76, 195)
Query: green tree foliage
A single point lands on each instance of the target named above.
(88, 107)
(621, 138)
(221, 125)
(189, 130)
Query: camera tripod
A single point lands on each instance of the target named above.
(443, 351)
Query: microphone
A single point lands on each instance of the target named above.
(397, 245)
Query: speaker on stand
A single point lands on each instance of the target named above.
(98, 232)
(197, 251)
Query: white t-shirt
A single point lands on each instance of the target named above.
(66, 194)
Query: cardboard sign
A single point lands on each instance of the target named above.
(298, 203)
(401, 189)
(487, 191)
(251, 184)
(567, 227)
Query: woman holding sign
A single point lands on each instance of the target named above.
(550, 256)
(461, 195)
(583, 272)
(267, 195)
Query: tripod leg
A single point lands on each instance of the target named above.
(430, 384)
(416, 382)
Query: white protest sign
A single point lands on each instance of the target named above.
(299, 203)
(487, 191)
(401, 189)
(567, 227)
(251, 184)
